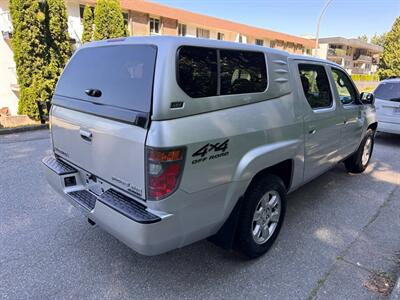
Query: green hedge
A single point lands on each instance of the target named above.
(365, 77)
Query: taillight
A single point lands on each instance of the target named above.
(164, 171)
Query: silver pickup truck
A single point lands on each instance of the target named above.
(163, 141)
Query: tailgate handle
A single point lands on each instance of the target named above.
(86, 135)
(93, 93)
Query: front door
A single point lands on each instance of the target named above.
(322, 121)
(353, 119)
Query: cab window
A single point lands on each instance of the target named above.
(315, 86)
(206, 72)
(346, 90)
(198, 71)
(242, 72)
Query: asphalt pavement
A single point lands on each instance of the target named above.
(340, 241)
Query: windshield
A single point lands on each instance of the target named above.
(122, 75)
(388, 91)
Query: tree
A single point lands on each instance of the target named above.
(41, 48)
(108, 20)
(363, 38)
(390, 61)
(30, 53)
(59, 45)
(87, 34)
(378, 39)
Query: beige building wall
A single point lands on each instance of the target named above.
(169, 26)
(139, 23)
(8, 77)
(75, 27)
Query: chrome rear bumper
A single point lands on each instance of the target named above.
(147, 232)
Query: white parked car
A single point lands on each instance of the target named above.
(387, 103)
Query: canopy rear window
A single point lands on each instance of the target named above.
(122, 73)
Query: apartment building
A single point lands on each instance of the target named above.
(147, 18)
(356, 56)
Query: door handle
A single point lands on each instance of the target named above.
(312, 131)
(86, 135)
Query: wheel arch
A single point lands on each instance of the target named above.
(226, 235)
(283, 170)
(373, 126)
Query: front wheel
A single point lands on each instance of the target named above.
(262, 215)
(358, 162)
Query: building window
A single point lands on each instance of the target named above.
(203, 33)
(126, 18)
(240, 39)
(259, 42)
(154, 26)
(220, 36)
(182, 29)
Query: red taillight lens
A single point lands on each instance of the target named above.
(164, 170)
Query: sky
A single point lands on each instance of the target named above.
(347, 18)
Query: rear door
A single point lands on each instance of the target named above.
(387, 102)
(321, 120)
(101, 110)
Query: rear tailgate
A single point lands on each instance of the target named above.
(100, 113)
(387, 102)
(388, 111)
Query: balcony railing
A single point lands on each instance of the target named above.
(336, 52)
(363, 58)
(359, 71)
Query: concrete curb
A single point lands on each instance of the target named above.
(4, 131)
(395, 295)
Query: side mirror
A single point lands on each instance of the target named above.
(367, 98)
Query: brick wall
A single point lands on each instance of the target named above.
(139, 23)
(169, 26)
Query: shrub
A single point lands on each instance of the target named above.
(390, 61)
(30, 51)
(41, 48)
(365, 77)
(59, 44)
(87, 34)
(108, 20)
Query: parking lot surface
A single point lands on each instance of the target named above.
(339, 230)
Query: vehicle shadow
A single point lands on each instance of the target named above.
(323, 217)
(388, 139)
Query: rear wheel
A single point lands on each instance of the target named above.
(358, 162)
(261, 216)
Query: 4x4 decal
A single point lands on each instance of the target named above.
(211, 151)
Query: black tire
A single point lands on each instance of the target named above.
(245, 241)
(354, 163)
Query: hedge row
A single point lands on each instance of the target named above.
(365, 77)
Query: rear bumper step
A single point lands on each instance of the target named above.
(128, 207)
(58, 166)
(84, 198)
(112, 198)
